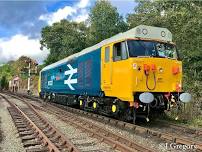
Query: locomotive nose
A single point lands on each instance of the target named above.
(157, 75)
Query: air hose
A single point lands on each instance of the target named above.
(147, 77)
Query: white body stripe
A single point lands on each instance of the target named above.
(70, 81)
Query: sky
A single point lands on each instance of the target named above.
(21, 23)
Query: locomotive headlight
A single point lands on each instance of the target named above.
(144, 31)
(163, 33)
(160, 70)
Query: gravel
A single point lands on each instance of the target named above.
(10, 138)
(156, 145)
(176, 132)
(144, 140)
(80, 139)
(16, 101)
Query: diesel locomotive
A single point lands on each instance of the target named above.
(135, 73)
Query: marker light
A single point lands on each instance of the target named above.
(153, 67)
(146, 67)
(175, 70)
(178, 87)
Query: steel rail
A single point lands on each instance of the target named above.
(116, 141)
(51, 146)
(135, 128)
(195, 131)
(130, 127)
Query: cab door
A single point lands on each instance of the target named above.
(106, 57)
(123, 78)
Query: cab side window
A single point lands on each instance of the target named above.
(107, 57)
(120, 51)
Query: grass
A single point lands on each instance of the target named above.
(195, 122)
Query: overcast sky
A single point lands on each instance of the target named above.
(21, 23)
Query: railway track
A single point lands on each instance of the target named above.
(168, 137)
(194, 132)
(185, 129)
(36, 133)
(157, 134)
(117, 142)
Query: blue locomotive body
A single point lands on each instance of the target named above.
(78, 76)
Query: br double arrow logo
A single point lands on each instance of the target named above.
(70, 72)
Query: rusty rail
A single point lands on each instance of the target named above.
(116, 141)
(185, 129)
(133, 128)
(53, 139)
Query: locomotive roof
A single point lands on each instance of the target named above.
(141, 31)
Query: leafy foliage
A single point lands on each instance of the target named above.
(63, 39)
(105, 22)
(184, 20)
(14, 68)
(4, 83)
(7, 71)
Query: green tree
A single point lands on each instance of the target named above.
(63, 39)
(105, 22)
(4, 83)
(66, 38)
(6, 70)
(184, 20)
